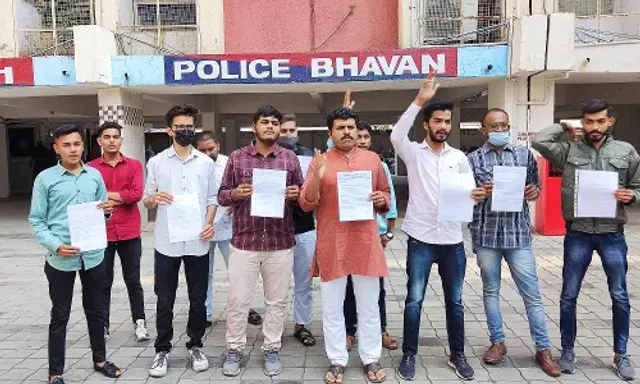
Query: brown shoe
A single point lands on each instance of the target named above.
(389, 342)
(495, 354)
(548, 365)
(350, 341)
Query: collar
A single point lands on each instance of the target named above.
(123, 159)
(62, 170)
(275, 150)
(425, 145)
(192, 152)
(488, 147)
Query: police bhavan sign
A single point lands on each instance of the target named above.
(310, 67)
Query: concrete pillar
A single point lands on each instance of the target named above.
(210, 14)
(4, 162)
(8, 21)
(125, 107)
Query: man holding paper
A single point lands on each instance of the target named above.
(124, 178)
(261, 184)
(207, 143)
(501, 227)
(305, 230)
(181, 184)
(613, 170)
(347, 186)
(441, 195)
(69, 206)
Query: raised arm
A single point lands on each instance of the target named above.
(553, 143)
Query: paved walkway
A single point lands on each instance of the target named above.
(24, 308)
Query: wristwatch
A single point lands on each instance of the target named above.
(389, 235)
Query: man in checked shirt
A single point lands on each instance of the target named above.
(507, 234)
(259, 245)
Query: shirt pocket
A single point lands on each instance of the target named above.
(621, 166)
(243, 176)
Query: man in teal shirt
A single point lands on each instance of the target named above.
(68, 183)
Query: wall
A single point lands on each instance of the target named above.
(302, 25)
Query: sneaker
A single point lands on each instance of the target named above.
(272, 363)
(231, 366)
(567, 361)
(142, 334)
(199, 361)
(56, 380)
(160, 365)
(459, 363)
(624, 369)
(407, 369)
(106, 334)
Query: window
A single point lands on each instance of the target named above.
(174, 13)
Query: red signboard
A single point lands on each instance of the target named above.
(16, 71)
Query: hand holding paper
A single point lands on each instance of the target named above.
(596, 194)
(87, 226)
(354, 196)
(269, 190)
(185, 218)
(455, 201)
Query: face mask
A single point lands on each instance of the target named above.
(185, 137)
(329, 143)
(499, 139)
(214, 157)
(288, 142)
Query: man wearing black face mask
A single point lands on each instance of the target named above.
(209, 145)
(305, 231)
(181, 171)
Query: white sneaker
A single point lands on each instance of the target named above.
(160, 365)
(199, 361)
(142, 334)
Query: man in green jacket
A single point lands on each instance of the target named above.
(593, 148)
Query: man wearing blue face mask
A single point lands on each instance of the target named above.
(507, 234)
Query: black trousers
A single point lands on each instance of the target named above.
(61, 293)
(167, 269)
(350, 313)
(130, 252)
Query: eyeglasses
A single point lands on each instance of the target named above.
(181, 127)
(499, 126)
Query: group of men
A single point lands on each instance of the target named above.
(347, 255)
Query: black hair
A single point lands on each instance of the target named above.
(340, 114)
(109, 125)
(206, 135)
(487, 112)
(181, 110)
(362, 124)
(427, 112)
(267, 111)
(287, 117)
(64, 130)
(595, 106)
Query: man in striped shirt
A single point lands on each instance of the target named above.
(507, 234)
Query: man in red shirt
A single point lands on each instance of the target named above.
(123, 177)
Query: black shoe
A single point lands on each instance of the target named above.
(209, 324)
(407, 369)
(56, 380)
(254, 318)
(459, 363)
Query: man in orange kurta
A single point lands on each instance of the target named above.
(347, 247)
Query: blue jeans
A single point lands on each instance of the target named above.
(452, 264)
(224, 249)
(302, 259)
(522, 264)
(578, 251)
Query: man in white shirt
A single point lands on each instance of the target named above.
(207, 143)
(430, 240)
(180, 170)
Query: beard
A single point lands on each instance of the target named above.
(434, 136)
(595, 136)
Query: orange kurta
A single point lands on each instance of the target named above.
(346, 248)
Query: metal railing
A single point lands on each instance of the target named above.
(445, 22)
(604, 21)
(45, 27)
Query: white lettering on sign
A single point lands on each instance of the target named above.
(181, 67)
(225, 69)
(321, 67)
(8, 75)
(397, 65)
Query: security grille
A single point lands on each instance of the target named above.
(604, 21)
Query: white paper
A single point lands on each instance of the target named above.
(87, 226)
(305, 161)
(185, 218)
(269, 187)
(595, 194)
(354, 189)
(455, 202)
(508, 189)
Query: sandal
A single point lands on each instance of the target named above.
(108, 369)
(372, 370)
(350, 341)
(305, 337)
(389, 342)
(336, 371)
(254, 318)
